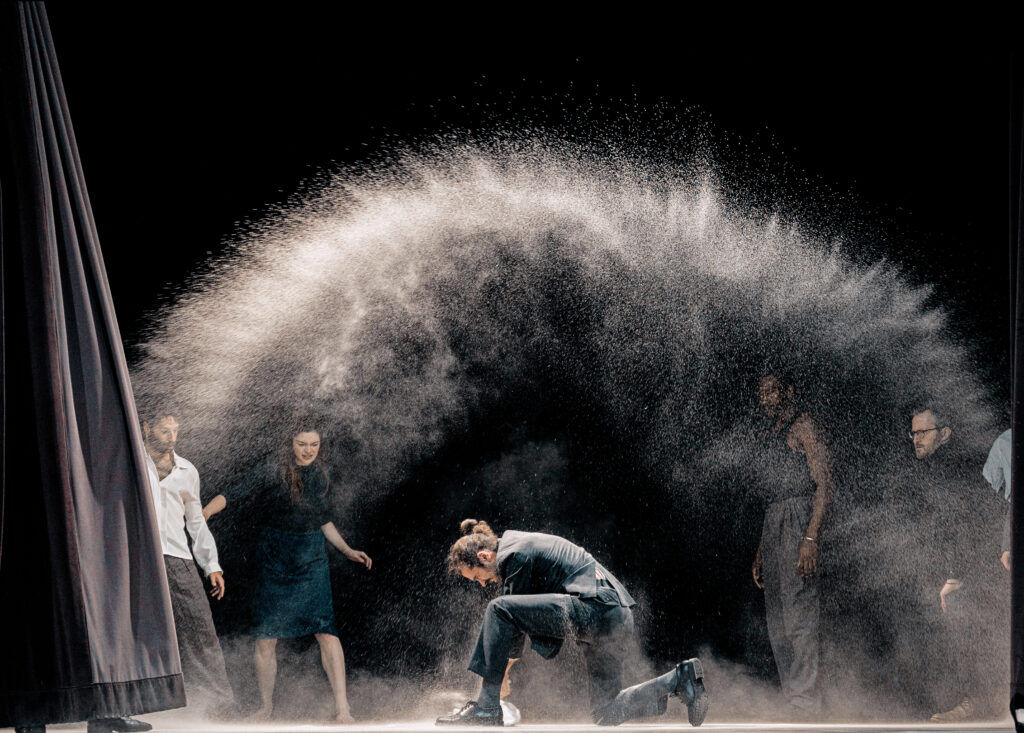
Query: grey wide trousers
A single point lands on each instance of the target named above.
(202, 662)
(791, 602)
(601, 629)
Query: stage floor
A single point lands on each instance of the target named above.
(169, 725)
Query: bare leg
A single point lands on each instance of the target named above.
(333, 658)
(266, 674)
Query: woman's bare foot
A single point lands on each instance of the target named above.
(344, 717)
(263, 713)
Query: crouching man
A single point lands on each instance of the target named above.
(554, 590)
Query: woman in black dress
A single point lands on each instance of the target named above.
(293, 584)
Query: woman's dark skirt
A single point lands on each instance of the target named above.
(293, 587)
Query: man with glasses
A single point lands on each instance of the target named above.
(945, 477)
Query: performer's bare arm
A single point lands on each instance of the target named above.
(819, 462)
(335, 538)
(215, 506)
(757, 569)
(506, 689)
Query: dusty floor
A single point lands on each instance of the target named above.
(168, 722)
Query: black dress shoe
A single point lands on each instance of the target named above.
(473, 714)
(690, 689)
(122, 725)
(30, 729)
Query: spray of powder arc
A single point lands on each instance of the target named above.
(401, 304)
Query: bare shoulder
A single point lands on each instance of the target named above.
(806, 430)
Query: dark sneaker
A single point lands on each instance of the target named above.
(121, 725)
(473, 714)
(690, 690)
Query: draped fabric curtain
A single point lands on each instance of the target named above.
(1017, 361)
(85, 620)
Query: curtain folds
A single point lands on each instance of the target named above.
(85, 621)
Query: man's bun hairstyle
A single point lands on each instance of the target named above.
(475, 526)
(477, 536)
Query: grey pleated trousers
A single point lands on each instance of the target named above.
(791, 602)
(202, 662)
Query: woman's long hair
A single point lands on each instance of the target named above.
(477, 536)
(290, 474)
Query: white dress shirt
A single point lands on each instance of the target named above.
(178, 508)
(998, 467)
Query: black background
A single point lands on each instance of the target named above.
(189, 123)
(192, 122)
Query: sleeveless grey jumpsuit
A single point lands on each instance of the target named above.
(791, 602)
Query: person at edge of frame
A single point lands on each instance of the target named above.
(998, 472)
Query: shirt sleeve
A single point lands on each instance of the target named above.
(203, 545)
(993, 469)
(952, 545)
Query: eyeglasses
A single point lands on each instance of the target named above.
(914, 433)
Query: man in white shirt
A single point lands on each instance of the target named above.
(175, 484)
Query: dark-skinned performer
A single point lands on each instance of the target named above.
(796, 476)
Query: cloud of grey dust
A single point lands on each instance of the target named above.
(396, 303)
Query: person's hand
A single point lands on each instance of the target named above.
(1005, 560)
(360, 557)
(948, 587)
(217, 581)
(807, 562)
(756, 569)
(207, 513)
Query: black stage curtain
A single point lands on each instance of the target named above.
(1017, 360)
(85, 619)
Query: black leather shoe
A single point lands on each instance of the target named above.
(30, 729)
(122, 725)
(473, 714)
(690, 689)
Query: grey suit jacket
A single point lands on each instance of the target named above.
(533, 562)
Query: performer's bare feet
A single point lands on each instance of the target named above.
(344, 717)
(262, 714)
(963, 711)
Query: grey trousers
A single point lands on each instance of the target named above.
(791, 602)
(551, 618)
(202, 662)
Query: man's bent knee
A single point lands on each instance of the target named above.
(499, 606)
